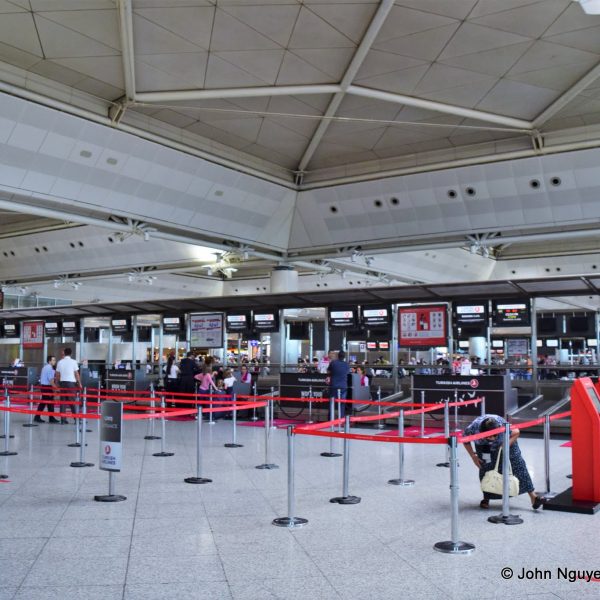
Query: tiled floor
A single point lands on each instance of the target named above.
(175, 540)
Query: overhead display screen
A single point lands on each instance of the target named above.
(265, 321)
(371, 345)
(238, 322)
(376, 317)
(548, 325)
(422, 326)
(581, 326)
(384, 345)
(52, 328)
(120, 326)
(551, 343)
(511, 313)
(342, 318)
(11, 330)
(70, 327)
(470, 314)
(172, 324)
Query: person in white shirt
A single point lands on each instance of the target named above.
(67, 378)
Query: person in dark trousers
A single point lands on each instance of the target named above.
(48, 385)
(338, 371)
(67, 379)
(188, 369)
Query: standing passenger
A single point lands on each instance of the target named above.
(48, 385)
(67, 378)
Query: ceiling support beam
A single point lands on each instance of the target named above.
(246, 92)
(440, 107)
(126, 31)
(367, 41)
(562, 101)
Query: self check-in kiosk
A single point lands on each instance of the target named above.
(584, 496)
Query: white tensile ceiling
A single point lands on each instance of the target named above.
(374, 69)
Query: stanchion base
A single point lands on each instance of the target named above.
(330, 454)
(11, 436)
(345, 500)
(402, 482)
(74, 445)
(197, 480)
(254, 419)
(29, 425)
(446, 464)
(152, 437)
(8, 453)
(164, 454)
(509, 520)
(3, 476)
(81, 464)
(110, 498)
(268, 466)
(88, 430)
(233, 445)
(454, 547)
(290, 522)
(211, 423)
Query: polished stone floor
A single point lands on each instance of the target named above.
(170, 539)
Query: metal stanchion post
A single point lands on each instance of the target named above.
(85, 396)
(290, 521)
(331, 453)
(254, 417)
(423, 413)
(339, 404)
(455, 410)
(380, 424)
(273, 426)
(446, 432)
(163, 430)
(77, 441)
(111, 497)
(81, 462)
(30, 422)
(548, 493)
(310, 395)
(482, 405)
(505, 517)
(401, 481)
(7, 404)
(211, 421)
(234, 443)
(151, 435)
(7, 436)
(454, 546)
(198, 478)
(267, 465)
(346, 498)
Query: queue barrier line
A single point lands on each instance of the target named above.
(394, 439)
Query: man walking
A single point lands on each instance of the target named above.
(48, 384)
(67, 378)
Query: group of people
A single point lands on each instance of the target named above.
(54, 379)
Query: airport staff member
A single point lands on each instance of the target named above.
(338, 373)
(47, 382)
(67, 378)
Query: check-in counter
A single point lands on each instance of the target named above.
(21, 376)
(123, 380)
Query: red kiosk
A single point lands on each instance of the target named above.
(584, 496)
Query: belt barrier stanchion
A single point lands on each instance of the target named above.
(310, 395)
(150, 433)
(233, 443)
(482, 405)
(85, 396)
(446, 432)
(198, 478)
(455, 410)
(30, 422)
(339, 397)
(267, 465)
(7, 404)
(111, 497)
(401, 481)
(7, 436)
(290, 521)
(75, 407)
(273, 426)
(380, 424)
(331, 453)
(163, 430)
(454, 546)
(505, 517)
(548, 493)
(211, 421)
(346, 498)
(81, 462)
(254, 417)
(423, 413)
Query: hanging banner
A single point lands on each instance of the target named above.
(423, 326)
(33, 334)
(206, 331)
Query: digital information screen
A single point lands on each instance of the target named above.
(497, 344)
(371, 345)
(422, 326)
(265, 322)
(52, 328)
(384, 345)
(342, 318)
(511, 314)
(591, 390)
(470, 314)
(10, 330)
(171, 324)
(237, 323)
(376, 317)
(70, 327)
(551, 343)
(120, 325)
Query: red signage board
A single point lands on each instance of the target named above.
(423, 326)
(33, 334)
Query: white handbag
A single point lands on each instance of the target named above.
(492, 480)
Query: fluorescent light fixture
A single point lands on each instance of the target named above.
(590, 7)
